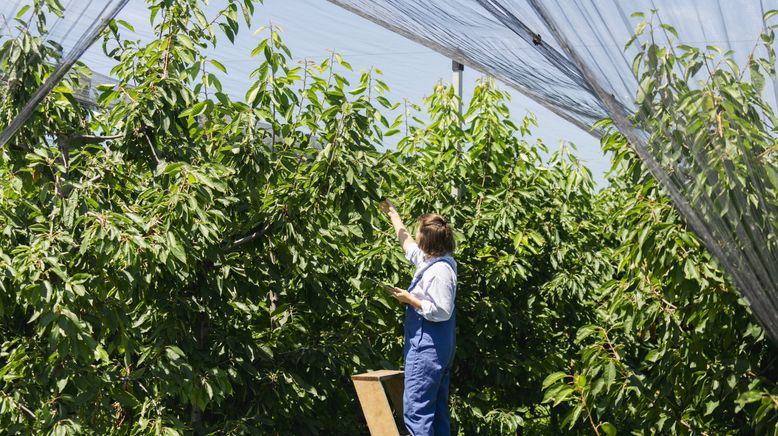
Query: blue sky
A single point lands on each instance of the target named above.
(314, 28)
(311, 27)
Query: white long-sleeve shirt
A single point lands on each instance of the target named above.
(437, 287)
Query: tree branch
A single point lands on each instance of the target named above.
(89, 139)
(261, 230)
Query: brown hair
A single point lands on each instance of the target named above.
(435, 235)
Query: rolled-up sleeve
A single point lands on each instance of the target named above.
(414, 255)
(440, 302)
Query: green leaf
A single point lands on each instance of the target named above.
(126, 25)
(101, 354)
(572, 418)
(174, 353)
(610, 374)
(553, 378)
(175, 247)
(218, 65)
(61, 384)
(750, 397)
(608, 428)
(711, 406)
(584, 332)
(22, 11)
(654, 355)
(757, 79)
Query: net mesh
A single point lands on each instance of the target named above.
(570, 56)
(86, 28)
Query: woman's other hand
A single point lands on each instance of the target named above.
(404, 296)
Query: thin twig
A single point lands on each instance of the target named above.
(24, 408)
(153, 150)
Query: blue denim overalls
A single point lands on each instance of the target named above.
(428, 353)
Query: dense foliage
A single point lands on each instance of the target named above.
(176, 260)
(674, 348)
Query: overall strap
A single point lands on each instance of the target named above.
(420, 274)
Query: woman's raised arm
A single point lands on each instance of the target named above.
(402, 233)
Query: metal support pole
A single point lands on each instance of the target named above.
(457, 70)
(456, 79)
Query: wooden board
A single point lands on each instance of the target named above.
(375, 406)
(380, 375)
(380, 394)
(394, 390)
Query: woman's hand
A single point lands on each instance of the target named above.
(399, 227)
(404, 296)
(387, 207)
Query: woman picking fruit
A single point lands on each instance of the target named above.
(430, 337)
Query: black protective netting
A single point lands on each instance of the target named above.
(569, 56)
(86, 28)
(490, 37)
